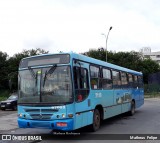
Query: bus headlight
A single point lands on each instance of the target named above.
(70, 115)
(20, 115)
(63, 115)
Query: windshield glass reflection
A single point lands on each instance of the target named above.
(28, 87)
(58, 86)
(47, 87)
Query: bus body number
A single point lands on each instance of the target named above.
(98, 95)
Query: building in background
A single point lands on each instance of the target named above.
(146, 52)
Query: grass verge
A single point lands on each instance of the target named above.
(4, 94)
(152, 95)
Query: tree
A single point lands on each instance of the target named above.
(132, 60)
(13, 64)
(147, 67)
(97, 54)
(33, 52)
(3, 70)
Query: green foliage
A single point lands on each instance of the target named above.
(125, 59)
(13, 64)
(132, 60)
(4, 94)
(149, 66)
(3, 70)
(33, 52)
(151, 88)
(97, 54)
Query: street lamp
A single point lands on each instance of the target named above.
(107, 40)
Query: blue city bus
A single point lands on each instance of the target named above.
(67, 91)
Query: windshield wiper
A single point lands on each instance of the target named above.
(32, 72)
(50, 71)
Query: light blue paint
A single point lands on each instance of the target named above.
(114, 101)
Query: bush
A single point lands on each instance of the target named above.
(4, 94)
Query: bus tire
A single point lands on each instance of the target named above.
(132, 111)
(96, 120)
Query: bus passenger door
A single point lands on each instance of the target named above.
(118, 92)
(81, 92)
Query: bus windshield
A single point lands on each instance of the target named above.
(49, 85)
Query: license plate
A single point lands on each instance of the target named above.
(2, 105)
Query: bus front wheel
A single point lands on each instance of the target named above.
(96, 120)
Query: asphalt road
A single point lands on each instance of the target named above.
(145, 121)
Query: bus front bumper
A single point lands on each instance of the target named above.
(65, 124)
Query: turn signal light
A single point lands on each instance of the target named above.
(70, 115)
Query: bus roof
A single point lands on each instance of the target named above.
(92, 61)
(102, 63)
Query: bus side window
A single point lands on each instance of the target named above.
(81, 83)
(135, 82)
(130, 81)
(106, 79)
(75, 74)
(95, 77)
(116, 79)
(84, 79)
(124, 80)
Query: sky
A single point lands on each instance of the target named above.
(77, 25)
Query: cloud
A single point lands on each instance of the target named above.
(77, 25)
(43, 43)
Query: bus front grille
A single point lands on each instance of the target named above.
(32, 110)
(41, 110)
(49, 110)
(41, 116)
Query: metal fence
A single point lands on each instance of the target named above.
(152, 90)
(153, 87)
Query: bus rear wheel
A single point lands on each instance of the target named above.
(132, 111)
(96, 120)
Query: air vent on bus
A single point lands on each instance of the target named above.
(41, 116)
(49, 110)
(32, 110)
